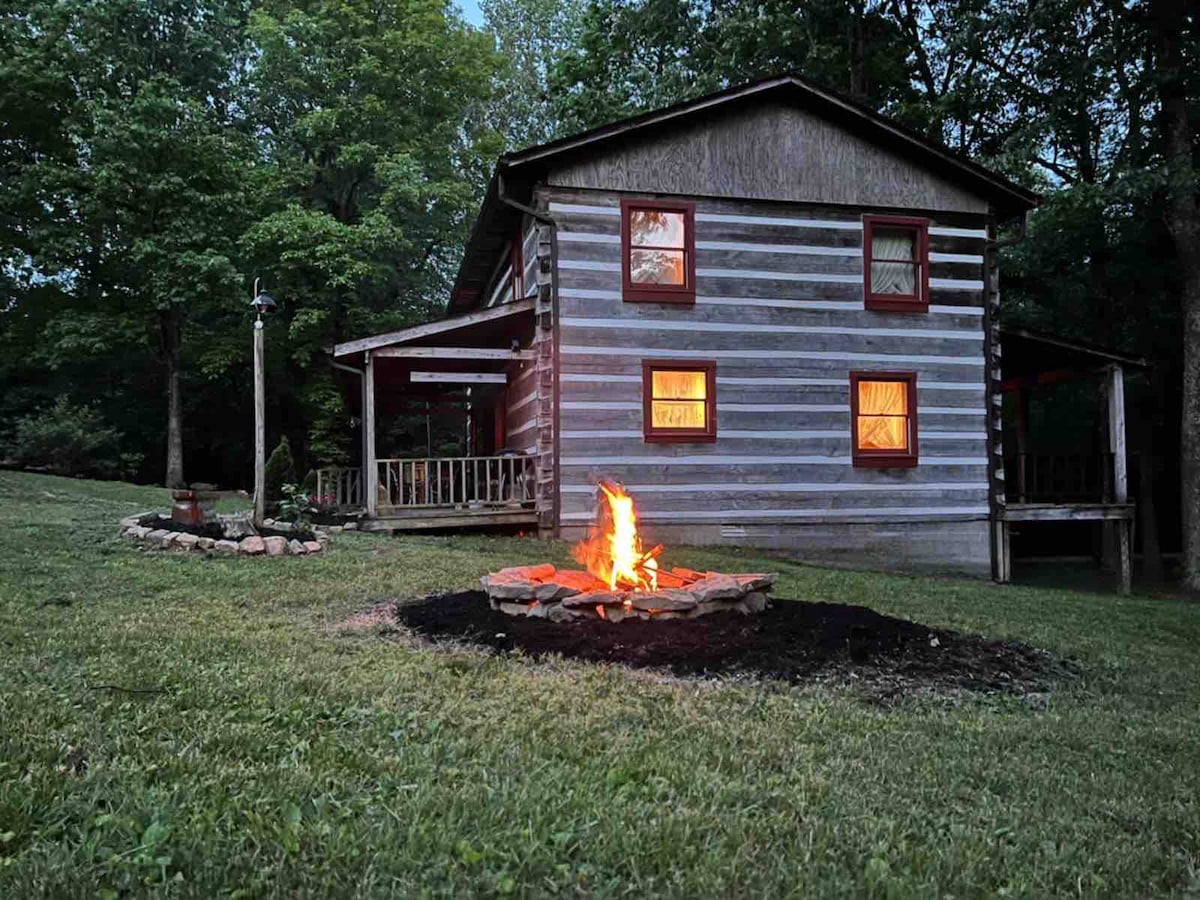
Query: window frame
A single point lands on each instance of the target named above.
(918, 302)
(633, 292)
(653, 435)
(885, 459)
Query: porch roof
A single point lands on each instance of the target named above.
(1031, 357)
(483, 328)
(452, 362)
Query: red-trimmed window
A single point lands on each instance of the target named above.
(896, 263)
(518, 268)
(658, 251)
(679, 400)
(883, 419)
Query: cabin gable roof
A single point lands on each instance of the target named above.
(811, 145)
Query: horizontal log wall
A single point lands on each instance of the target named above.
(779, 307)
(521, 413)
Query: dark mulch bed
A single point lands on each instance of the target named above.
(793, 641)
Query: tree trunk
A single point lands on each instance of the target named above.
(858, 51)
(169, 338)
(1170, 26)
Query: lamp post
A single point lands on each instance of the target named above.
(263, 304)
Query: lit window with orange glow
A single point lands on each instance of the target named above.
(883, 413)
(658, 251)
(679, 401)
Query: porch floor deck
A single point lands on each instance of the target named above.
(424, 519)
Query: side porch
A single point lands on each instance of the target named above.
(1084, 481)
(444, 395)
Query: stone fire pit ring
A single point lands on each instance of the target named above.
(564, 595)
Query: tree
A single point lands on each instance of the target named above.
(133, 209)
(530, 35)
(373, 119)
(1175, 50)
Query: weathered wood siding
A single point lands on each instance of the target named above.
(499, 289)
(779, 307)
(769, 151)
(521, 413)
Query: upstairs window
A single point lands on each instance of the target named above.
(679, 401)
(896, 263)
(883, 419)
(658, 251)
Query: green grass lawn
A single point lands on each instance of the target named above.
(285, 758)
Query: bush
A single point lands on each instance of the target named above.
(280, 470)
(72, 440)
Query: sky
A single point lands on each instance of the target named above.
(471, 11)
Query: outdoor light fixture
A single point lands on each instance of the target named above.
(263, 303)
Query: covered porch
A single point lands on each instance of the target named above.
(454, 375)
(1085, 482)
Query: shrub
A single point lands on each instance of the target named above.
(280, 470)
(69, 439)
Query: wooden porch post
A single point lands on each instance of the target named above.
(1116, 444)
(370, 477)
(1022, 414)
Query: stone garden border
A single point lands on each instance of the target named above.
(132, 529)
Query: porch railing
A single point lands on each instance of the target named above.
(1059, 477)
(477, 482)
(340, 488)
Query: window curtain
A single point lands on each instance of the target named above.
(882, 415)
(677, 399)
(892, 277)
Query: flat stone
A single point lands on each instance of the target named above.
(716, 606)
(268, 521)
(510, 590)
(313, 546)
(275, 545)
(592, 599)
(670, 600)
(552, 590)
(582, 581)
(296, 548)
(756, 582)
(205, 543)
(252, 546)
(350, 526)
(187, 541)
(237, 527)
(558, 613)
(754, 602)
(542, 572)
(171, 538)
(226, 546)
(716, 587)
(539, 610)
(513, 609)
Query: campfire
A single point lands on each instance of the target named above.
(622, 580)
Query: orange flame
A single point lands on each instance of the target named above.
(613, 550)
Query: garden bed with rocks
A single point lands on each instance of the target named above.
(231, 535)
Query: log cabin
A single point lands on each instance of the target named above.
(770, 312)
